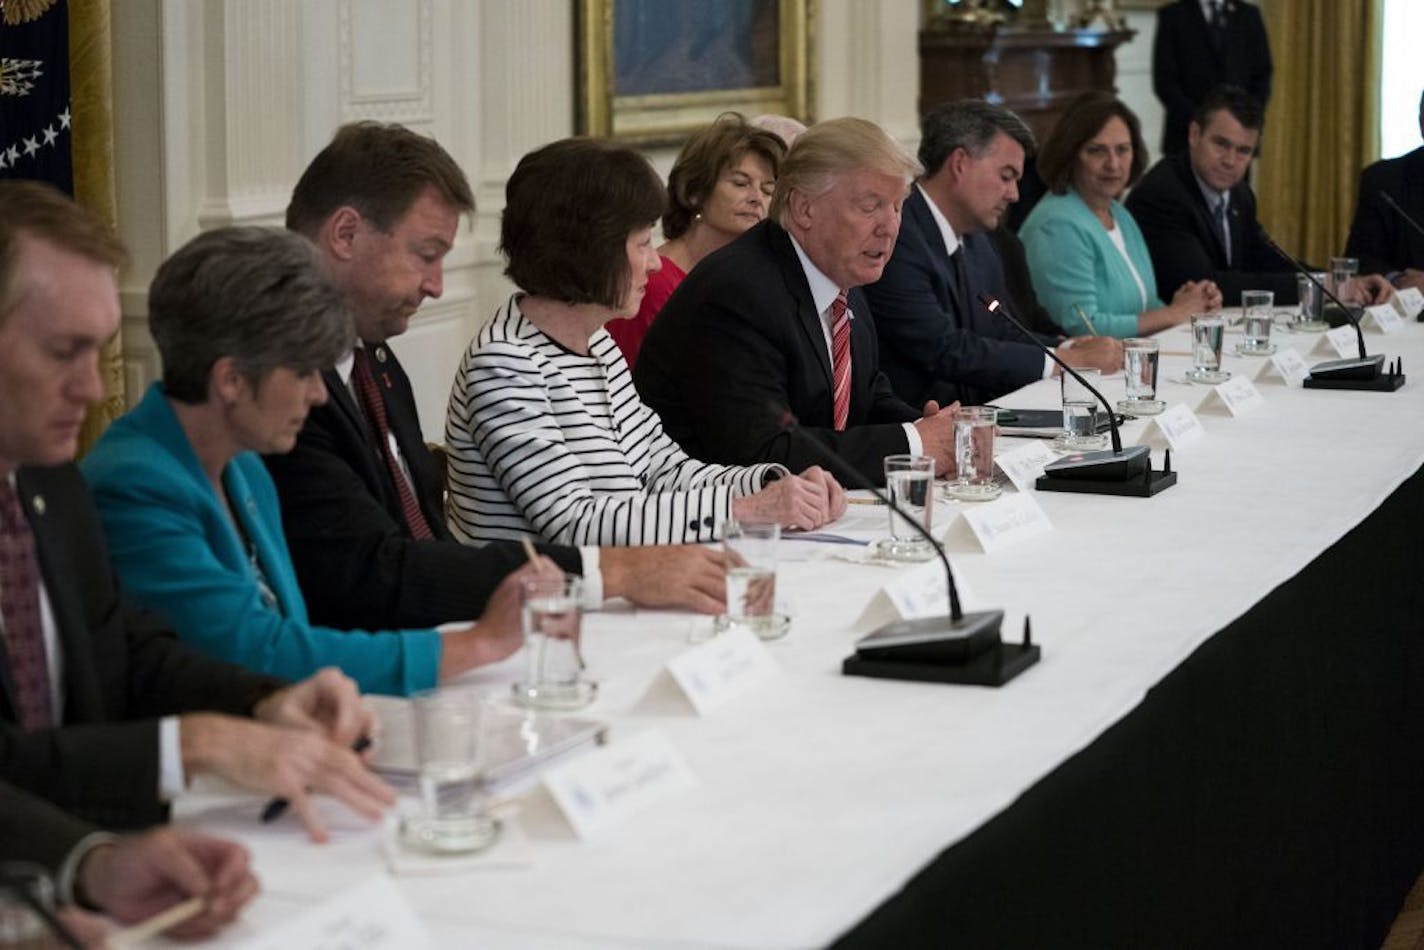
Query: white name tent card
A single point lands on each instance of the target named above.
(1383, 317)
(1237, 397)
(374, 915)
(919, 591)
(1007, 521)
(1176, 427)
(1410, 302)
(713, 673)
(1023, 465)
(1340, 342)
(615, 782)
(1287, 365)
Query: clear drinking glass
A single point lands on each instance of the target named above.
(974, 430)
(1080, 414)
(909, 481)
(450, 744)
(1140, 357)
(751, 578)
(553, 618)
(1208, 332)
(1258, 307)
(1342, 280)
(1312, 303)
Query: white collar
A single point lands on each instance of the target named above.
(946, 230)
(823, 290)
(1211, 195)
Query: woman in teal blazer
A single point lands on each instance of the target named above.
(1089, 262)
(245, 323)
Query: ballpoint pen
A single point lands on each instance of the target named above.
(278, 806)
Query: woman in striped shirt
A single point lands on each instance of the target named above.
(546, 435)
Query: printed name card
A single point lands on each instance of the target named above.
(1176, 427)
(372, 916)
(1007, 521)
(614, 782)
(1287, 365)
(1236, 396)
(1024, 464)
(1410, 302)
(713, 673)
(1340, 341)
(1382, 317)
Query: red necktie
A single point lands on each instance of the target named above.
(20, 607)
(363, 381)
(840, 359)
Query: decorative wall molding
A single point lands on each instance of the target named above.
(413, 105)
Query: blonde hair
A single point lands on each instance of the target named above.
(836, 147)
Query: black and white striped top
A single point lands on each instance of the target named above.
(553, 444)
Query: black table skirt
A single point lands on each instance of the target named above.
(1266, 793)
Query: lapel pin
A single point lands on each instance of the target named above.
(380, 354)
(38, 504)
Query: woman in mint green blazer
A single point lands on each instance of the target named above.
(245, 323)
(1088, 260)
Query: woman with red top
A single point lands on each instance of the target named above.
(719, 187)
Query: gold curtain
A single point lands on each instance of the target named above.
(1322, 126)
(92, 126)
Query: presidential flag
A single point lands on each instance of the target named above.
(34, 92)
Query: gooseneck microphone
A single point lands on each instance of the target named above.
(957, 616)
(1116, 472)
(1364, 373)
(1302, 269)
(1389, 200)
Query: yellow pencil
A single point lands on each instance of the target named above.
(1084, 317)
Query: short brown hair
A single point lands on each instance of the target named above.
(256, 295)
(1083, 119)
(40, 211)
(568, 210)
(705, 156)
(836, 147)
(380, 170)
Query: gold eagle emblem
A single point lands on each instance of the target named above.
(16, 12)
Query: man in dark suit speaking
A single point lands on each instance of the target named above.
(102, 712)
(775, 321)
(937, 340)
(1380, 236)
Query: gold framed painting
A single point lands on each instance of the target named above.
(652, 71)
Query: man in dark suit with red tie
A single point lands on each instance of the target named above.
(362, 496)
(1202, 44)
(776, 322)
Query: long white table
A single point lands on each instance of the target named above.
(820, 795)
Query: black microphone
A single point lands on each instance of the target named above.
(957, 636)
(1364, 373)
(1302, 269)
(1116, 472)
(1389, 200)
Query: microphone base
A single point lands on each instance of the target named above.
(1149, 483)
(1383, 383)
(938, 650)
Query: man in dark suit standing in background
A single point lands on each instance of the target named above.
(937, 341)
(102, 712)
(1202, 44)
(776, 322)
(362, 496)
(1380, 236)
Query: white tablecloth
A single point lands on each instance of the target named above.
(820, 794)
